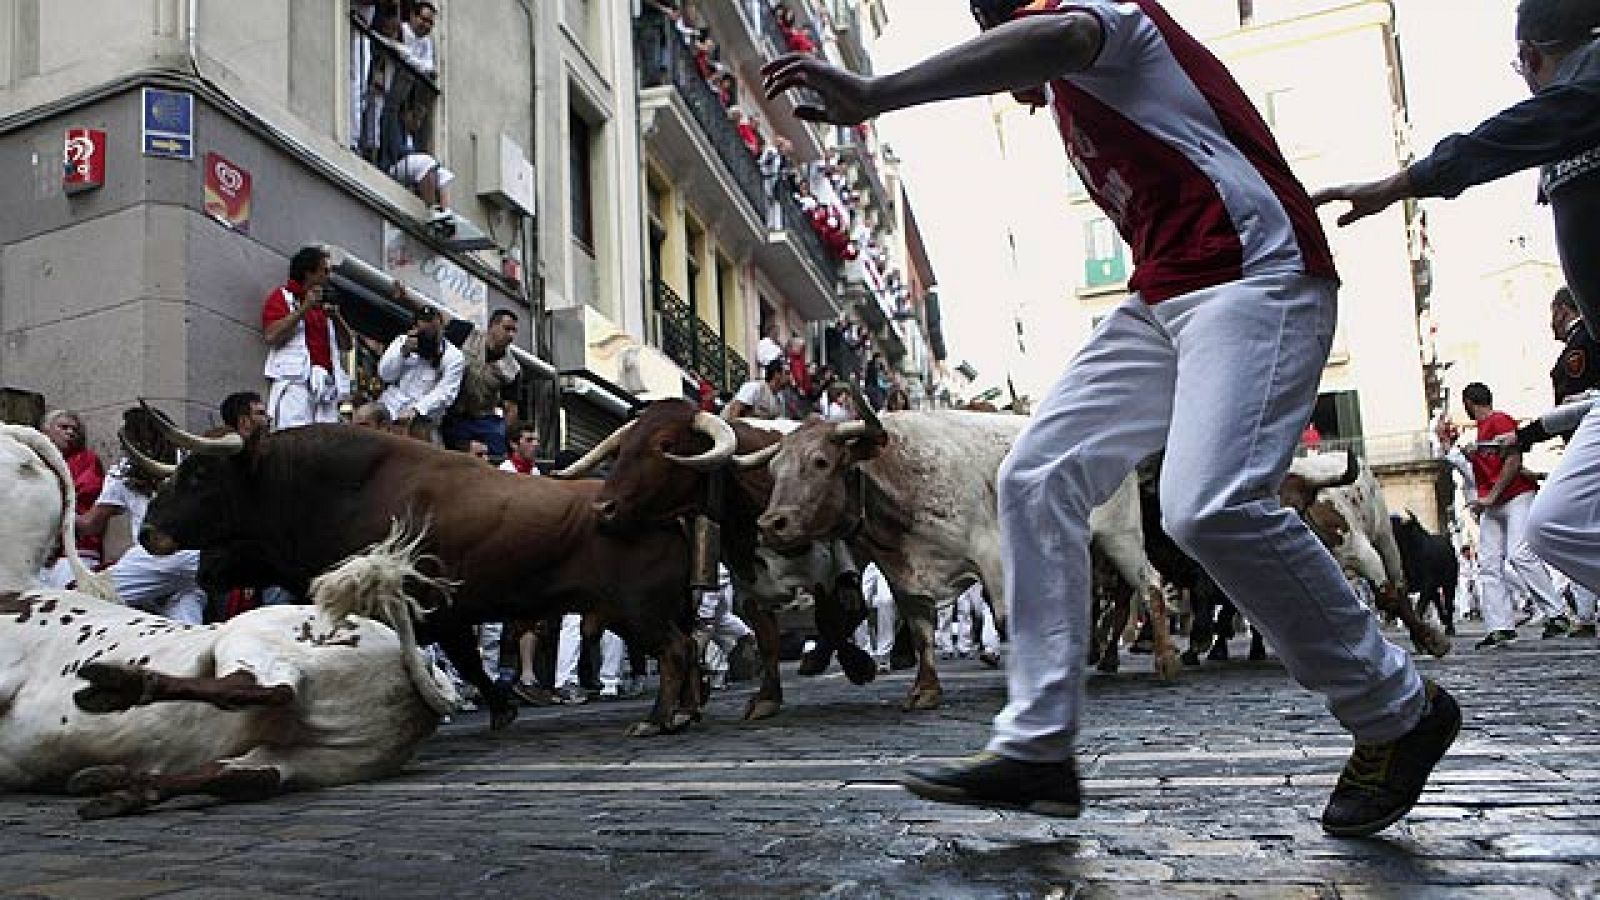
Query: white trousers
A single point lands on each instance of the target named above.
(489, 634)
(164, 585)
(1502, 572)
(290, 405)
(727, 629)
(876, 633)
(1564, 523)
(1225, 380)
(613, 653)
(973, 622)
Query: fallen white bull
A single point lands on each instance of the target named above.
(96, 698)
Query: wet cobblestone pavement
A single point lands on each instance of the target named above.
(1207, 788)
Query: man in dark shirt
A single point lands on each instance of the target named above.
(1558, 128)
(1576, 372)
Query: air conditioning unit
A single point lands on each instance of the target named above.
(505, 175)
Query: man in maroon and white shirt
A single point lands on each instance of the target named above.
(308, 382)
(1216, 357)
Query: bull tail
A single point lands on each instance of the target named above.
(90, 583)
(374, 584)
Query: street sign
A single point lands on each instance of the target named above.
(168, 126)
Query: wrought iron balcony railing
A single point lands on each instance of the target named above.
(665, 59)
(689, 341)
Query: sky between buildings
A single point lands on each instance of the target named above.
(1456, 55)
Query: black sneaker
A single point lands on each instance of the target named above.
(1495, 639)
(1381, 782)
(1556, 627)
(989, 779)
(1582, 631)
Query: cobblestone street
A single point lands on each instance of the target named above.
(1208, 788)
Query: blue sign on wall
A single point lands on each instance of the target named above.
(168, 124)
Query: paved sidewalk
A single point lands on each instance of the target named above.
(1208, 788)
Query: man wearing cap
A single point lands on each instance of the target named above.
(422, 373)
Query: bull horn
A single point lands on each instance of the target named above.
(228, 445)
(757, 458)
(849, 431)
(723, 443)
(599, 454)
(153, 468)
(864, 410)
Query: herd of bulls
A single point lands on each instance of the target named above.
(325, 511)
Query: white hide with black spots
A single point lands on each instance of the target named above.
(363, 696)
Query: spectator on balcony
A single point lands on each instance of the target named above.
(486, 407)
(777, 177)
(749, 134)
(799, 396)
(417, 36)
(419, 171)
(706, 53)
(760, 398)
(795, 35)
(303, 365)
(377, 72)
(422, 373)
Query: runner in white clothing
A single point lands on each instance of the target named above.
(1216, 357)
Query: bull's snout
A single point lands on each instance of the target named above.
(156, 542)
(777, 527)
(605, 510)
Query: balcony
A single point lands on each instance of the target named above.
(1403, 448)
(395, 94)
(862, 164)
(692, 343)
(796, 258)
(749, 35)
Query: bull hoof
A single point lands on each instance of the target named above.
(118, 803)
(97, 780)
(1434, 644)
(501, 718)
(113, 688)
(926, 698)
(1191, 657)
(857, 664)
(645, 729)
(1168, 667)
(1258, 653)
(814, 663)
(1219, 651)
(679, 721)
(1109, 664)
(761, 708)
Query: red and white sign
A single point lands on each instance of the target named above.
(84, 157)
(227, 193)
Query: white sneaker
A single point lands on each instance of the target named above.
(610, 691)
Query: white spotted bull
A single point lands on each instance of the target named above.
(1342, 503)
(98, 699)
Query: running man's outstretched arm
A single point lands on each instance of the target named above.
(1017, 56)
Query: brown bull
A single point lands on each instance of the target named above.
(285, 507)
(664, 463)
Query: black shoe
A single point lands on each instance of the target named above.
(989, 779)
(1582, 631)
(1381, 782)
(1495, 639)
(533, 694)
(1556, 627)
(571, 695)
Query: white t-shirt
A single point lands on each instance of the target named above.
(117, 493)
(759, 399)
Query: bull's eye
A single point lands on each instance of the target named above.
(820, 463)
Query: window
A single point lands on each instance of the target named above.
(579, 151)
(394, 88)
(1104, 260)
(1247, 13)
(694, 239)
